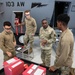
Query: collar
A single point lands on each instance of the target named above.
(46, 28)
(7, 32)
(63, 33)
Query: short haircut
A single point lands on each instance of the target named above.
(43, 20)
(64, 18)
(7, 23)
(26, 11)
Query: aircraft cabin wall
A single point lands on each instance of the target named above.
(40, 9)
(72, 15)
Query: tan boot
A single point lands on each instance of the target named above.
(25, 50)
(30, 50)
(25, 47)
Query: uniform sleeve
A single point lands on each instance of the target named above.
(23, 23)
(2, 44)
(52, 37)
(65, 48)
(35, 26)
(40, 34)
(14, 38)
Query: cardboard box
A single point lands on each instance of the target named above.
(14, 66)
(34, 70)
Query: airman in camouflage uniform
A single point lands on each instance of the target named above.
(47, 38)
(7, 41)
(64, 51)
(31, 27)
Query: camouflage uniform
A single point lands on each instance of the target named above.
(30, 30)
(6, 44)
(49, 35)
(64, 52)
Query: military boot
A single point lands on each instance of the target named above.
(30, 50)
(25, 50)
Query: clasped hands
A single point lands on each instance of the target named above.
(43, 41)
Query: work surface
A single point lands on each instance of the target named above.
(47, 72)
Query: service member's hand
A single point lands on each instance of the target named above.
(32, 34)
(9, 54)
(52, 68)
(44, 42)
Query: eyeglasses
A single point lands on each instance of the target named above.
(8, 28)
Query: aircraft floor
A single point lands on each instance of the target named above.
(36, 55)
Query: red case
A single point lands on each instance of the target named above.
(40, 71)
(15, 67)
(34, 70)
(29, 70)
